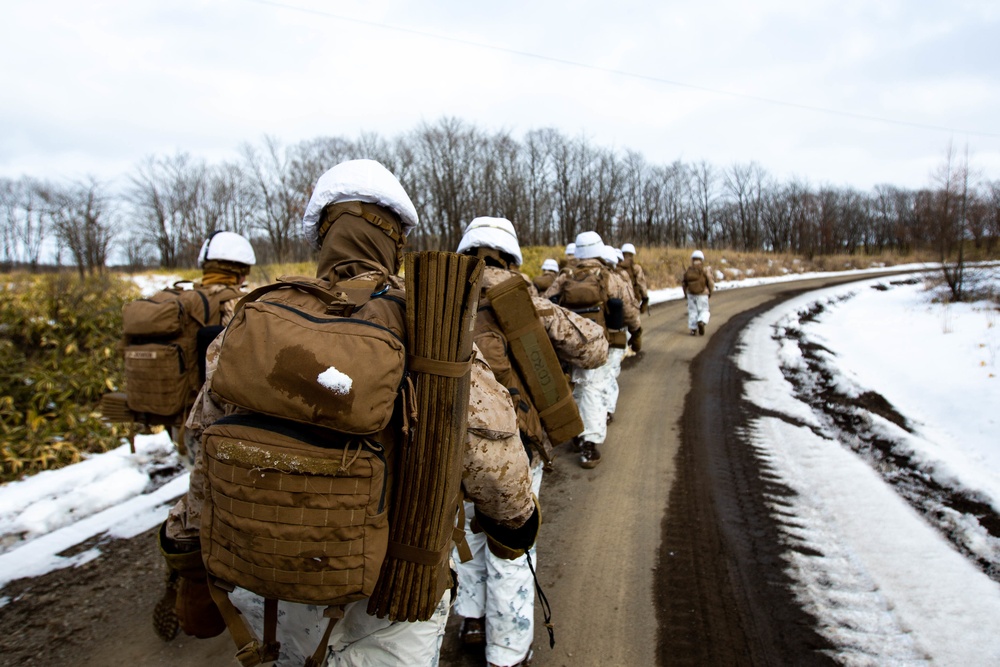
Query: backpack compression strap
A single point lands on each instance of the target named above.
(250, 650)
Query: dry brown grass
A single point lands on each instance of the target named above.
(664, 266)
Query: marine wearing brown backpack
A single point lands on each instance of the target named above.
(165, 336)
(161, 348)
(305, 414)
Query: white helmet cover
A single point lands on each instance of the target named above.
(589, 245)
(496, 233)
(570, 249)
(358, 180)
(227, 246)
(610, 255)
(698, 254)
(628, 247)
(550, 265)
(620, 255)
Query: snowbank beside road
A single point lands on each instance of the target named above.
(886, 583)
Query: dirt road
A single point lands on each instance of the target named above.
(663, 554)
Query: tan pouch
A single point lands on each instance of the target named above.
(536, 360)
(287, 355)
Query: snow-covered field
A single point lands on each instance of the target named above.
(886, 526)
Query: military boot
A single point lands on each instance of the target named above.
(589, 456)
(194, 611)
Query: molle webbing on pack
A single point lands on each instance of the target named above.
(585, 292)
(294, 512)
(161, 349)
(442, 295)
(536, 360)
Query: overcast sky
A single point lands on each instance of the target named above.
(840, 92)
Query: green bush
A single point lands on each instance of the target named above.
(59, 353)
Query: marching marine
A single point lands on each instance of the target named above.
(495, 594)
(589, 290)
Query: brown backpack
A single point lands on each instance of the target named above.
(163, 358)
(586, 292)
(694, 280)
(298, 508)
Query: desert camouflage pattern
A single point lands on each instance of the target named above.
(618, 287)
(227, 308)
(577, 341)
(495, 467)
(637, 276)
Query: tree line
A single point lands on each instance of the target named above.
(550, 185)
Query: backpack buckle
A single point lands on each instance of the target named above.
(341, 306)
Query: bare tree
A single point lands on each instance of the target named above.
(282, 194)
(952, 179)
(83, 218)
(993, 216)
(745, 185)
(157, 194)
(777, 215)
(446, 171)
(538, 174)
(22, 228)
(704, 201)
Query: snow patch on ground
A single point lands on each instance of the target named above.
(886, 586)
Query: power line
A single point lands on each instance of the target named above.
(632, 75)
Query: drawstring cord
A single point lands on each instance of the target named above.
(546, 607)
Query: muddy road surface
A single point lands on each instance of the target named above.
(662, 555)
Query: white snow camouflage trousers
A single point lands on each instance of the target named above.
(697, 310)
(614, 363)
(590, 390)
(501, 590)
(358, 640)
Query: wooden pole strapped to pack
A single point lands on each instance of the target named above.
(442, 296)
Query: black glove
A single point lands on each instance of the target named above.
(644, 305)
(509, 543)
(635, 342)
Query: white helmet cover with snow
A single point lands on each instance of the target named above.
(358, 180)
(628, 248)
(589, 245)
(698, 254)
(227, 247)
(550, 265)
(496, 233)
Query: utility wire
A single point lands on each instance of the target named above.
(618, 72)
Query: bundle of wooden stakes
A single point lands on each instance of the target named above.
(442, 296)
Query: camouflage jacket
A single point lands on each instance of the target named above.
(618, 287)
(637, 277)
(575, 339)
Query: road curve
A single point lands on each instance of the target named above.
(664, 554)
